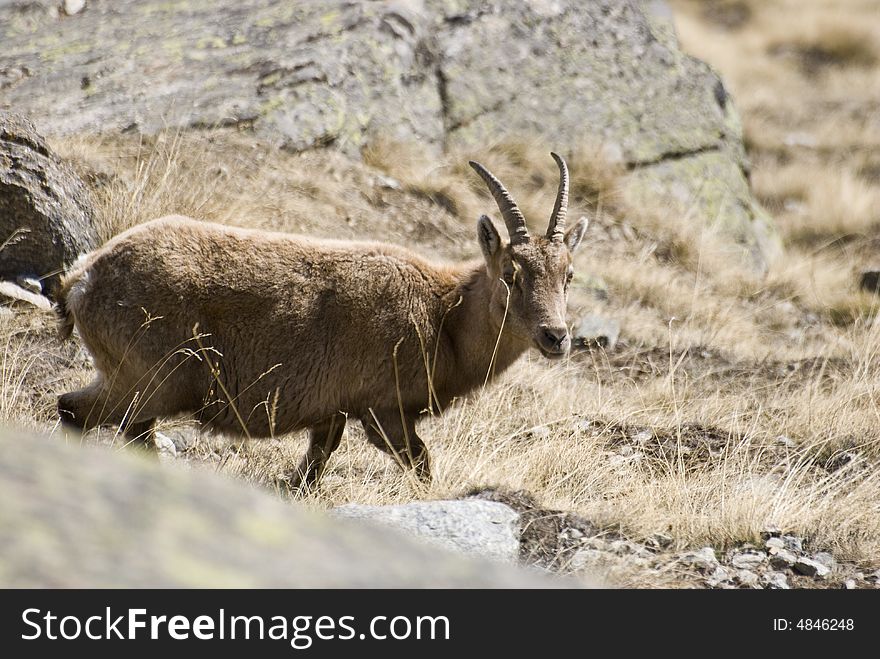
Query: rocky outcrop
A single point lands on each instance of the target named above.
(46, 212)
(470, 526)
(443, 72)
(89, 517)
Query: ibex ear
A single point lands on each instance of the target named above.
(574, 235)
(488, 237)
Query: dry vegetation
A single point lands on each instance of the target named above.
(732, 402)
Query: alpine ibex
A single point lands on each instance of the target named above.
(257, 334)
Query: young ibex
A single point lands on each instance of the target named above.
(257, 334)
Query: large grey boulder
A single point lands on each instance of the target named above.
(467, 72)
(90, 517)
(46, 212)
(470, 526)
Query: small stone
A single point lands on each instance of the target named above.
(617, 460)
(747, 560)
(801, 139)
(810, 568)
(782, 559)
(825, 559)
(747, 577)
(787, 442)
(72, 7)
(719, 576)
(643, 437)
(775, 581)
(388, 183)
(15, 296)
(593, 330)
(702, 559)
(585, 426)
(30, 284)
(165, 445)
(793, 543)
(538, 432)
(850, 584)
(574, 534)
(774, 543)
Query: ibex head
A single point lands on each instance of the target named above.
(534, 271)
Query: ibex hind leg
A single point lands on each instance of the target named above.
(140, 434)
(400, 441)
(95, 406)
(324, 438)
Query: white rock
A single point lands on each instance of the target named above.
(595, 330)
(747, 577)
(801, 139)
(470, 526)
(719, 576)
(388, 183)
(782, 559)
(538, 432)
(703, 559)
(787, 441)
(825, 559)
(643, 437)
(793, 543)
(30, 284)
(747, 560)
(775, 580)
(165, 445)
(72, 7)
(14, 295)
(774, 543)
(811, 568)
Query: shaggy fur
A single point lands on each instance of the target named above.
(259, 334)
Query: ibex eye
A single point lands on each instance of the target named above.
(510, 272)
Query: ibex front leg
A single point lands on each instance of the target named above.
(323, 440)
(399, 439)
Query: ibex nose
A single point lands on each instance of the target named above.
(554, 339)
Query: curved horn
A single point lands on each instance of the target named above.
(513, 217)
(556, 230)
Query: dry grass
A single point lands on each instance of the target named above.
(720, 485)
(805, 78)
(678, 430)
